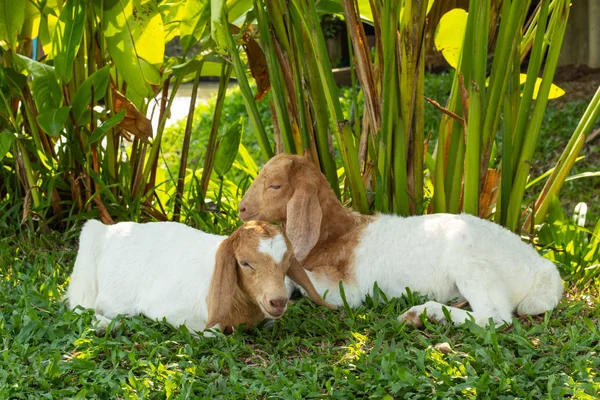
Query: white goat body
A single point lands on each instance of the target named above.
(165, 270)
(447, 257)
(441, 255)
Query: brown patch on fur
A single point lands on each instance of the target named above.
(411, 318)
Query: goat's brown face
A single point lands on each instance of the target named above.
(255, 258)
(267, 197)
(263, 261)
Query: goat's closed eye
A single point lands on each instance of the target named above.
(275, 187)
(246, 265)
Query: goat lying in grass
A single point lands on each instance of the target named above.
(169, 270)
(442, 255)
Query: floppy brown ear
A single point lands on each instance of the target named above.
(298, 275)
(303, 220)
(222, 285)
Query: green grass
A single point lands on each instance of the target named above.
(311, 352)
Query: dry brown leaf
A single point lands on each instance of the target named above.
(489, 192)
(134, 122)
(104, 215)
(257, 62)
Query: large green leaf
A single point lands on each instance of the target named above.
(194, 22)
(99, 80)
(67, 37)
(52, 121)
(172, 14)
(227, 148)
(209, 68)
(6, 140)
(135, 38)
(12, 16)
(44, 86)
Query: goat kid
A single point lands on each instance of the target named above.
(444, 256)
(189, 277)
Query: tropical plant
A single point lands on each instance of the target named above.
(74, 137)
(67, 103)
(570, 245)
(489, 127)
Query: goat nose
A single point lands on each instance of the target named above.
(242, 209)
(279, 303)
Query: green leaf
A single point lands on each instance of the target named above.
(6, 141)
(172, 13)
(14, 80)
(44, 86)
(330, 7)
(67, 38)
(52, 120)
(450, 33)
(47, 28)
(31, 26)
(12, 16)
(194, 22)
(238, 11)
(218, 27)
(227, 148)
(105, 126)
(135, 38)
(99, 80)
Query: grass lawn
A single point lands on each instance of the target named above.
(311, 352)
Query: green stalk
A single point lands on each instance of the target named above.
(211, 147)
(508, 38)
(277, 87)
(476, 109)
(456, 161)
(155, 146)
(511, 108)
(567, 158)
(340, 126)
(514, 209)
(389, 109)
(240, 72)
(321, 116)
(186, 147)
(535, 63)
(297, 53)
(35, 195)
(411, 77)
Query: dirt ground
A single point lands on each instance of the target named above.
(579, 83)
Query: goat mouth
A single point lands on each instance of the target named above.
(269, 314)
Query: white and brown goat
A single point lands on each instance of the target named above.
(189, 277)
(441, 255)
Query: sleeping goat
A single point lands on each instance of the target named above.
(169, 270)
(441, 255)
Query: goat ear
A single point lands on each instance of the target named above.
(303, 220)
(298, 275)
(222, 285)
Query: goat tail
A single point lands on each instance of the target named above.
(545, 293)
(83, 287)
